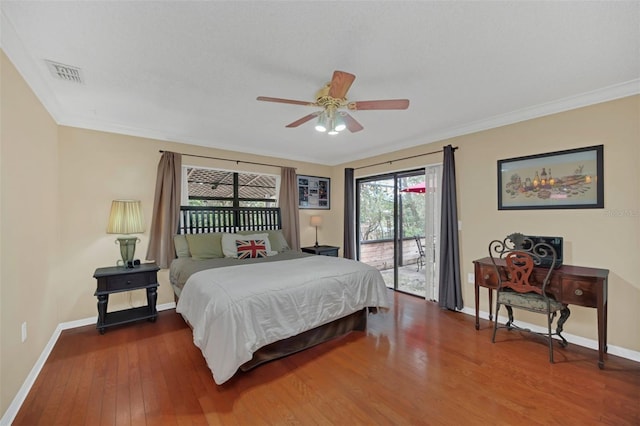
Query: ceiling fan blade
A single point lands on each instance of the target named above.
(340, 84)
(385, 104)
(303, 119)
(285, 101)
(351, 123)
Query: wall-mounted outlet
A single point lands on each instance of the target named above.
(471, 278)
(24, 331)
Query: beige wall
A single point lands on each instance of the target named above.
(29, 229)
(97, 167)
(58, 183)
(604, 238)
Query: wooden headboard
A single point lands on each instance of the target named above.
(200, 220)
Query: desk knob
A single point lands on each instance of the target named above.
(578, 292)
(486, 277)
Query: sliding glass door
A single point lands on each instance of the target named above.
(393, 211)
(411, 237)
(376, 224)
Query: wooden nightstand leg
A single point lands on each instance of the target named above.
(103, 300)
(152, 296)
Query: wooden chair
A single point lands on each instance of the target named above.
(521, 286)
(421, 257)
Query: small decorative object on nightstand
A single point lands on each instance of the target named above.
(117, 279)
(322, 250)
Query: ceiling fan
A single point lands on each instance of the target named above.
(332, 99)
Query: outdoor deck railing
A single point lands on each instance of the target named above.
(379, 253)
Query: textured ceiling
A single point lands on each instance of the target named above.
(191, 71)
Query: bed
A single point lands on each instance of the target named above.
(247, 310)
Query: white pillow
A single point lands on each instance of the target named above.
(229, 243)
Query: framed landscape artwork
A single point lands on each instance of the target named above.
(314, 192)
(571, 179)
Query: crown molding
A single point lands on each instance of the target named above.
(605, 94)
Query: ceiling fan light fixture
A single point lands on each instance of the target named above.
(340, 125)
(332, 98)
(321, 126)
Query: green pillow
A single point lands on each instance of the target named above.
(181, 245)
(277, 240)
(205, 246)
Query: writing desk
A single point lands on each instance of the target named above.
(571, 285)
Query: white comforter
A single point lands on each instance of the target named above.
(236, 310)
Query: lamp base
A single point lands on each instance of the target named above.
(127, 250)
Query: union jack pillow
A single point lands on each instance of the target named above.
(248, 249)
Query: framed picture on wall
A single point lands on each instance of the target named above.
(571, 179)
(314, 192)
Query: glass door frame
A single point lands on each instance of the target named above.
(397, 219)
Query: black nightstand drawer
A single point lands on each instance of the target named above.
(322, 250)
(127, 282)
(116, 278)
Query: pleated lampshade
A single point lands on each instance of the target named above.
(125, 217)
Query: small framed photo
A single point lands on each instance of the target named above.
(571, 179)
(314, 192)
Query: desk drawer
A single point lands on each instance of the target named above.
(487, 276)
(580, 292)
(126, 282)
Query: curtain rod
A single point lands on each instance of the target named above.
(403, 158)
(227, 159)
(275, 165)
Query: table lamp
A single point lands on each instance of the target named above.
(125, 219)
(316, 221)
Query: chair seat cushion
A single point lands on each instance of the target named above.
(530, 301)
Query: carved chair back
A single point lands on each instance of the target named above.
(521, 256)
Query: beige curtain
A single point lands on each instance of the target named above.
(166, 209)
(288, 200)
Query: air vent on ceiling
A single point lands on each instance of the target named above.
(65, 72)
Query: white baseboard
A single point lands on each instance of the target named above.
(576, 340)
(15, 405)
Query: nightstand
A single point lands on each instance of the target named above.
(322, 250)
(116, 279)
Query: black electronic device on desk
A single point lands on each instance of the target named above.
(555, 242)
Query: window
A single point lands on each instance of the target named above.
(211, 187)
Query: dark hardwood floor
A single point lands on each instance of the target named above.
(415, 365)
